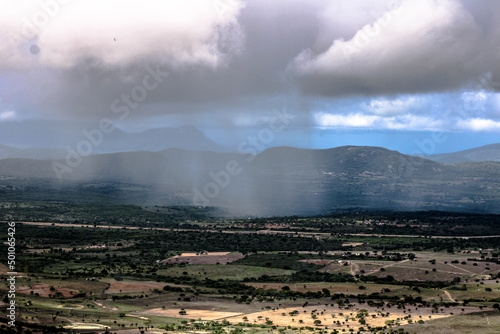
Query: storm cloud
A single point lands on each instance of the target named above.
(395, 65)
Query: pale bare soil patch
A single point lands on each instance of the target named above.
(205, 254)
(190, 314)
(84, 326)
(352, 244)
(73, 306)
(136, 316)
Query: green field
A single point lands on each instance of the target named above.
(215, 272)
(477, 323)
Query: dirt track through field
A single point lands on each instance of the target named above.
(420, 268)
(466, 271)
(389, 265)
(448, 294)
(354, 268)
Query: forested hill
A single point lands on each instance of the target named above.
(278, 181)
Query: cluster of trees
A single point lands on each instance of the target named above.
(106, 214)
(383, 222)
(166, 241)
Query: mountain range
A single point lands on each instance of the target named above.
(52, 139)
(278, 181)
(483, 153)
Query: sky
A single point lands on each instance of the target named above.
(421, 77)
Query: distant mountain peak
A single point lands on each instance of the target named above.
(489, 152)
(46, 134)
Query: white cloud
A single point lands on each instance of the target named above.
(118, 32)
(358, 120)
(386, 107)
(422, 46)
(350, 121)
(413, 122)
(474, 101)
(478, 124)
(475, 111)
(8, 115)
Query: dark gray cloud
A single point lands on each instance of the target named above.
(240, 60)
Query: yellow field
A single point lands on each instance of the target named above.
(332, 317)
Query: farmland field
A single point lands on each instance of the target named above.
(208, 258)
(191, 314)
(127, 279)
(128, 286)
(236, 272)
